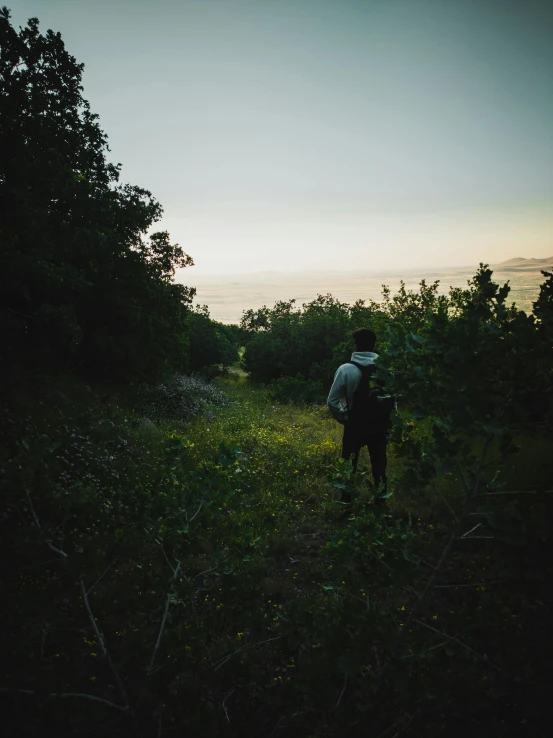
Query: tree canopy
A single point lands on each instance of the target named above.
(80, 279)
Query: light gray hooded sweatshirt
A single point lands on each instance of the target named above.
(346, 380)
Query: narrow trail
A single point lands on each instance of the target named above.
(288, 457)
(293, 450)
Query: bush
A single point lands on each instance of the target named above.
(312, 341)
(296, 390)
(181, 398)
(211, 343)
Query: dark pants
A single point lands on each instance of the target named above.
(376, 443)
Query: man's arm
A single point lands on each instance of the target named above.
(336, 397)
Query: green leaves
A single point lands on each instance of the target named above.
(80, 278)
(408, 556)
(494, 429)
(228, 454)
(469, 373)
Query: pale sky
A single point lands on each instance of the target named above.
(315, 134)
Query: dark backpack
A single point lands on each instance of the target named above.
(372, 409)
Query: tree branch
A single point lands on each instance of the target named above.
(427, 650)
(196, 513)
(100, 577)
(244, 648)
(443, 499)
(478, 525)
(102, 645)
(473, 584)
(38, 525)
(224, 706)
(65, 695)
(343, 690)
(517, 492)
(164, 618)
(483, 657)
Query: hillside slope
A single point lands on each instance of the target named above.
(521, 263)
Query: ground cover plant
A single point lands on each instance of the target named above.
(204, 575)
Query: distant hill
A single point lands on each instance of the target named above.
(519, 263)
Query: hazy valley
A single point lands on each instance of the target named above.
(227, 296)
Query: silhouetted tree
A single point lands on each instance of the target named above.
(79, 281)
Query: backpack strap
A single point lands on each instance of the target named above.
(368, 369)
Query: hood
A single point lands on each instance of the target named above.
(364, 357)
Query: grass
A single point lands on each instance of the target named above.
(280, 605)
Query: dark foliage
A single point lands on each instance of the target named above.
(211, 343)
(80, 284)
(310, 342)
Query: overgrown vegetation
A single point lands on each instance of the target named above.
(296, 349)
(179, 559)
(205, 577)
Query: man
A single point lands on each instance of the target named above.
(365, 415)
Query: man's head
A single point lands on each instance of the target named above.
(365, 339)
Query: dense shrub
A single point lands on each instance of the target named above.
(296, 389)
(311, 341)
(181, 398)
(210, 343)
(477, 370)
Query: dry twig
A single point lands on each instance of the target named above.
(343, 690)
(102, 645)
(38, 525)
(483, 657)
(244, 648)
(224, 706)
(65, 695)
(164, 618)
